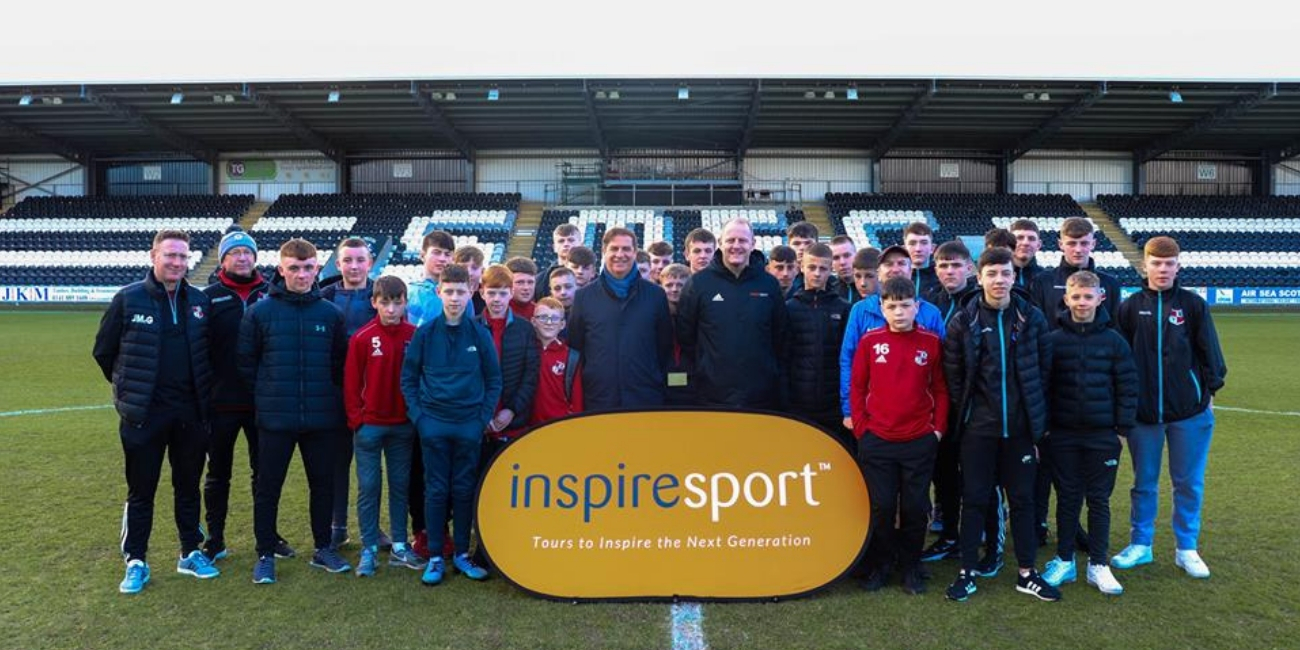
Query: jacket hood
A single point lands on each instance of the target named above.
(803, 294)
(1100, 322)
(338, 280)
(1066, 266)
(278, 290)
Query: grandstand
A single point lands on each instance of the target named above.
(1226, 241)
(91, 175)
(104, 241)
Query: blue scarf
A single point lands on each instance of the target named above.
(621, 288)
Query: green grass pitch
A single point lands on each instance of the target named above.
(61, 492)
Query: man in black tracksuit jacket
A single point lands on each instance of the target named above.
(238, 285)
(153, 346)
(1180, 368)
(732, 322)
(815, 333)
(292, 348)
(997, 361)
(1093, 401)
(620, 324)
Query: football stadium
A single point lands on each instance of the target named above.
(683, 352)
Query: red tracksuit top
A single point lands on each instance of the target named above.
(897, 390)
(549, 403)
(372, 392)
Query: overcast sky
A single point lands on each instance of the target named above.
(70, 41)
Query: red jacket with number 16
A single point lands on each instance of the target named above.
(897, 390)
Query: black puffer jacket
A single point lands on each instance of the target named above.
(128, 346)
(520, 357)
(1025, 274)
(1176, 348)
(229, 392)
(1048, 289)
(1030, 352)
(1094, 380)
(814, 336)
(951, 303)
(292, 347)
(734, 329)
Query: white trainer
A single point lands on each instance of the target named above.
(1099, 576)
(1191, 562)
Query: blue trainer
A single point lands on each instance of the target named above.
(402, 555)
(465, 564)
(433, 572)
(264, 570)
(369, 558)
(330, 560)
(198, 565)
(137, 576)
(1058, 572)
(1132, 555)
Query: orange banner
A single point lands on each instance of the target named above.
(663, 504)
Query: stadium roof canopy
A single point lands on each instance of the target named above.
(1001, 117)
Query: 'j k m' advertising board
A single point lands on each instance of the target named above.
(695, 504)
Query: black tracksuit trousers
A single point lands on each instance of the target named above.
(183, 439)
(898, 478)
(275, 451)
(986, 461)
(1086, 464)
(221, 462)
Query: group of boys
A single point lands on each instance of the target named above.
(1016, 380)
(330, 368)
(987, 377)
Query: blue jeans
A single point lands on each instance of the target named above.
(394, 443)
(1189, 449)
(451, 452)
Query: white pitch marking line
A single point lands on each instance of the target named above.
(10, 414)
(687, 627)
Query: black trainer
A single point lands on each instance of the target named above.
(961, 588)
(914, 580)
(989, 566)
(876, 579)
(282, 549)
(215, 550)
(941, 549)
(1034, 585)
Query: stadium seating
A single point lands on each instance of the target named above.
(104, 241)
(651, 225)
(484, 220)
(879, 219)
(1229, 241)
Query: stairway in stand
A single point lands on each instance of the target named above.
(199, 276)
(524, 236)
(1123, 243)
(817, 215)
